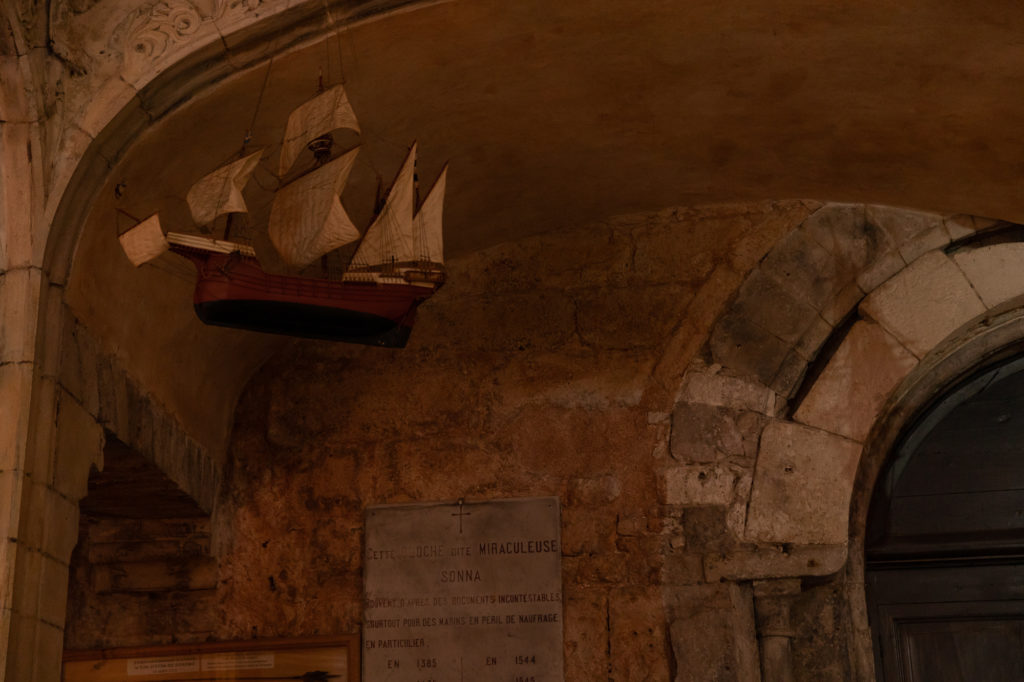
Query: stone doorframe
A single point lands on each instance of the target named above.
(844, 331)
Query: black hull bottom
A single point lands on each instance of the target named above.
(309, 321)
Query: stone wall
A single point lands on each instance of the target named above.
(709, 392)
(537, 370)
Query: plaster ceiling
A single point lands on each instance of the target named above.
(555, 115)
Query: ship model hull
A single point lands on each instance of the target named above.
(232, 290)
(397, 263)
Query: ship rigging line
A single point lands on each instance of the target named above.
(256, 111)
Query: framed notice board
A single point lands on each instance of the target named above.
(315, 659)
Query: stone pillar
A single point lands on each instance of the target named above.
(772, 600)
(41, 475)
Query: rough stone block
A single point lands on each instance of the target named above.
(594, 491)
(53, 597)
(802, 486)
(619, 318)
(847, 396)
(587, 530)
(996, 272)
(775, 562)
(80, 441)
(699, 485)
(19, 312)
(49, 652)
(16, 236)
(13, 103)
(903, 225)
(934, 238)
(10, 502)
(682, 568)
(766, 304)
(513, 322)
(843, 229)
(805, 269)
(111, 97)
(39, 459)
(74, 145)
(22, 648)
(744, 347)
(790, 374)
(812, 339)
(61, 526)
(959, 226)
(880, 270)
(15, 392)
(712, 634)
(832, 222)
(705, 433)
(196, 573)
(586, 633)
(924, 303)
(845, 301)
(712, 388)
(28, 575)
(637, 634)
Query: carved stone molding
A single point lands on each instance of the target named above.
(150, 32)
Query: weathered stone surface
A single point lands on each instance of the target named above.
(705, 433)
(699, 485)
(843, 229)
(586, 633)
(802, 486)
(744, 347)
(79, 447)
(709, 386)
(809, 344)
(847, 396)
(880, 270)
(960, 226)
(766, 304)
(619, 318)
(775, 562)
(638, 635)
(845, 301)
(995, 272)
(903, 225)
(19, 311)
(594, 491)
(791, 372)
(53, 597)
(805, 269)
(924, 303)
(19, 238)
(932, 239)
(15, 387)
(712, 634)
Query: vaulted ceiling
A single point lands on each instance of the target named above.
(555, 115)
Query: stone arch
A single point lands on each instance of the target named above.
(850, 324)
(54, 155)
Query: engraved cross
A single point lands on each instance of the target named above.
(461, 513)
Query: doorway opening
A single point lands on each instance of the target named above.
(945, 538)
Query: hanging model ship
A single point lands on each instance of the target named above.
(397, 265)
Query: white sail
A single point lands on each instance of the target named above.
(307, 219)
(144, 242)
(391, 237)
(427, 222)
(328, 111)
(220, 192)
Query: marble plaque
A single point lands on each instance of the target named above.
(459, 592)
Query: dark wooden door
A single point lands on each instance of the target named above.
(945, 546)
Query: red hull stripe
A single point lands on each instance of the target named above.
(233, 277)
